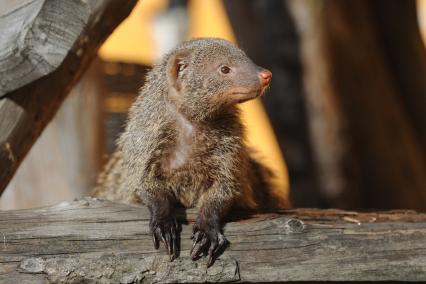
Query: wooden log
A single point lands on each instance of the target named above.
(58, 41)
(90, 241)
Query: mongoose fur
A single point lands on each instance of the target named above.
(183, 143)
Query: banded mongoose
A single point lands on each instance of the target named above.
(183, 144)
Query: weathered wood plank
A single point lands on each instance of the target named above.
(69, 149)
(64, 36)
(91, 240)
(36, 36)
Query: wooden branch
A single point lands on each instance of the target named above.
(92, 240)
(56, 40)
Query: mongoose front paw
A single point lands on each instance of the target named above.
(207, 238)
(166, 230)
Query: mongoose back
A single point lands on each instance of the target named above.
(183, 144)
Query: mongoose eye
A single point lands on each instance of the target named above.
(181, 67)
(225, 69)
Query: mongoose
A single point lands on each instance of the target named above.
(183, 144)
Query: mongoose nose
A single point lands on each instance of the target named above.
(265, 77)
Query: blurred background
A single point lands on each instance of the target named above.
(343, 124)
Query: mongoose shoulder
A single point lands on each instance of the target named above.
(183, 144)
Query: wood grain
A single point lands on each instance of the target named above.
(104, 242)
(71, 33)
(64, 161)
(36, 37)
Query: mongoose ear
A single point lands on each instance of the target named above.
(176, 66)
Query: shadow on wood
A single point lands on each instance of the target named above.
(89, 240)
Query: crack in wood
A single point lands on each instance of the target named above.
(260, 251)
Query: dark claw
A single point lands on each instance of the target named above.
(176, 224)
(166, 231)
(175, 242)
(163, 239)
(200, 248)
(195, 232)
(196, 238)
(222, 242)
(201, 241)
(216, 246)
(210, 261)
(168, 243)
(155, 240)
(213, 247)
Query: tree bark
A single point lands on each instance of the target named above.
(366, 92)
(94, 241)
(60, 40)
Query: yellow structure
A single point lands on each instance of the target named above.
(133, 42)
(421, 11)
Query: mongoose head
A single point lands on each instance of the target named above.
(208, 75)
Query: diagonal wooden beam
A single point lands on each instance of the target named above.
(72, 32)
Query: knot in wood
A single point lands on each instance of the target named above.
(295, 226)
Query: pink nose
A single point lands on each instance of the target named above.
(265, 77)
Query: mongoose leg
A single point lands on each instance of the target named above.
(164, 226)
(207, 232)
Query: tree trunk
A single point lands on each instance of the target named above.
(366, 92)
